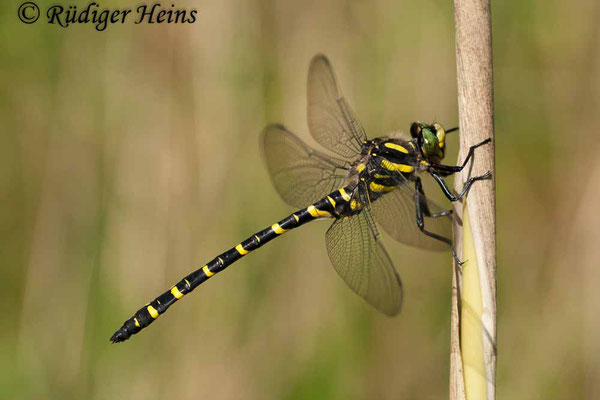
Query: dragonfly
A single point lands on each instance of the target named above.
(368, 182)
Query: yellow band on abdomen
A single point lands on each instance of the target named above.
(152, 311)
(277, 229)
(316, 213)
(241, 249)
(175, 292)
(207, 271)
(344, 194)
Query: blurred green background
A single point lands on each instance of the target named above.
(129, 157)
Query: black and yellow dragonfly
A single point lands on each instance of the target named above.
(368, 181)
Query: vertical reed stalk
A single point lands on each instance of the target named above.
(473, 331)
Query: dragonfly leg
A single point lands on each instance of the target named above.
(423, 210)
(445, 170)
(448, 192)
(426, 211)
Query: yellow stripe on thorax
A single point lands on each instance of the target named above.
(390, 166)
(396, 147)
(381, 176)
(355, 205)
(377, 188)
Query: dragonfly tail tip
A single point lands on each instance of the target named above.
(120, 336)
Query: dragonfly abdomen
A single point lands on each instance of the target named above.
(327, 207)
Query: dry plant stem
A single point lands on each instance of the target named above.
(472, 372)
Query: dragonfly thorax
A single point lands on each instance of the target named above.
(383, 165)
(391, 156)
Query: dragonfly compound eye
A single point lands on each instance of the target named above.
(430, 143)
(440, 132)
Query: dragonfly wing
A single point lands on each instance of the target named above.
(330, 119)
(300, 174)
(396, 213)
(359, 257)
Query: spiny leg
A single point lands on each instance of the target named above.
(445, 170)
(440, 170)
(423, 210)
(448, 192)
(423, 202)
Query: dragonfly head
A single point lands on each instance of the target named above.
(431, 140)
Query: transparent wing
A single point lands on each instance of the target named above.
(330, 119)
(360, 259)
(301, 175)
(396, 213)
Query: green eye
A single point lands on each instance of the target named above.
(430, 142)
